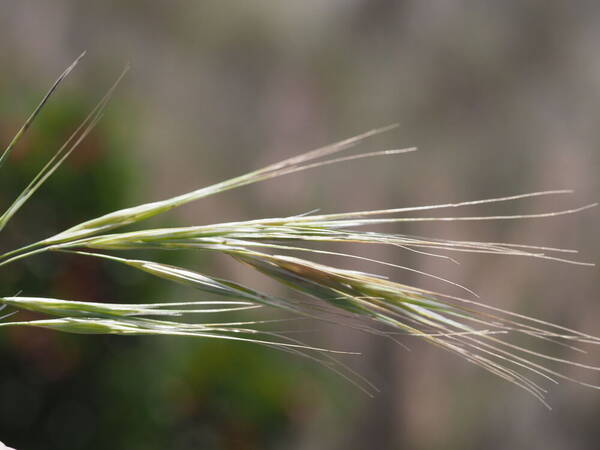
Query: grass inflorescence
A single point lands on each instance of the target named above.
(479, 333)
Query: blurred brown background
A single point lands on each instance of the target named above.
(500, 97)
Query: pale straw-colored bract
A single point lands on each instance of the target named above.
(475, 331)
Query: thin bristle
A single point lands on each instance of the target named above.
(38, 108)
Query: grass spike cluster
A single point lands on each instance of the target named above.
(479, 333)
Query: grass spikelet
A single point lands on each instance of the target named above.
(60, 307)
